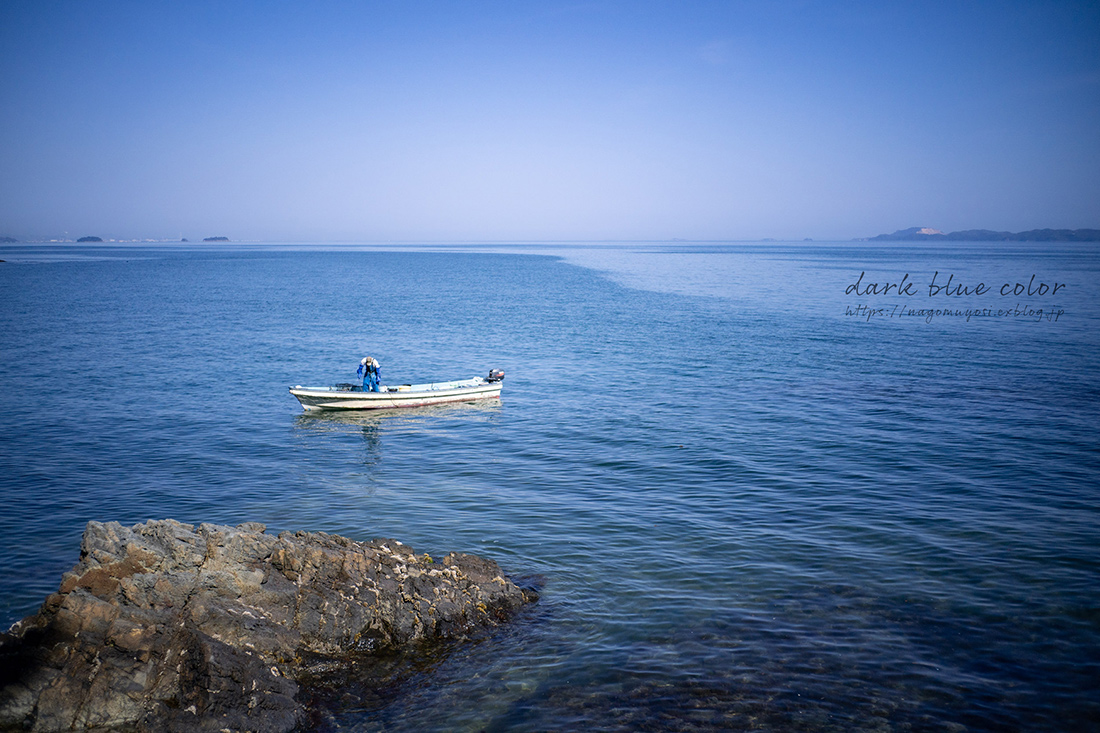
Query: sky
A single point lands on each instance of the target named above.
(490, 121)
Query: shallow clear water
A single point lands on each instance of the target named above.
(750, 510)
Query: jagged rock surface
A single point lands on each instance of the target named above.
(162, 626)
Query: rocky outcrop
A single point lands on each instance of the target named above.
(162, 626)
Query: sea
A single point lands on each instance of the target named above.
(759, 486)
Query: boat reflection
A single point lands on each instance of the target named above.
(428, 416)
(372, 424)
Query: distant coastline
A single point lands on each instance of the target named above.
(919, 234)
(912, 234)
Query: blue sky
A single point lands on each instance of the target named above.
(411, 120)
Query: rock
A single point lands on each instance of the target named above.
(165, 627)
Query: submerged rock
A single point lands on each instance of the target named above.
(162, 626)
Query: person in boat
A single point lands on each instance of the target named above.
(368, 370)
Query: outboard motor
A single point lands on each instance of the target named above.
(496, 375)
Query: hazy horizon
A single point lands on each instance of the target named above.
(581, 121)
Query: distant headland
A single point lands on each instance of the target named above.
(920, 234)
(93, 239)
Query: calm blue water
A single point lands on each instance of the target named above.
(750, 510)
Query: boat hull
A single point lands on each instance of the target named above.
(328, 398)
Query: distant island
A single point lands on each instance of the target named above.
(8, 240)
(921, 234)
(89, 239)
(216, 239)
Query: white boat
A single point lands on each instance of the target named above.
(370, 395)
